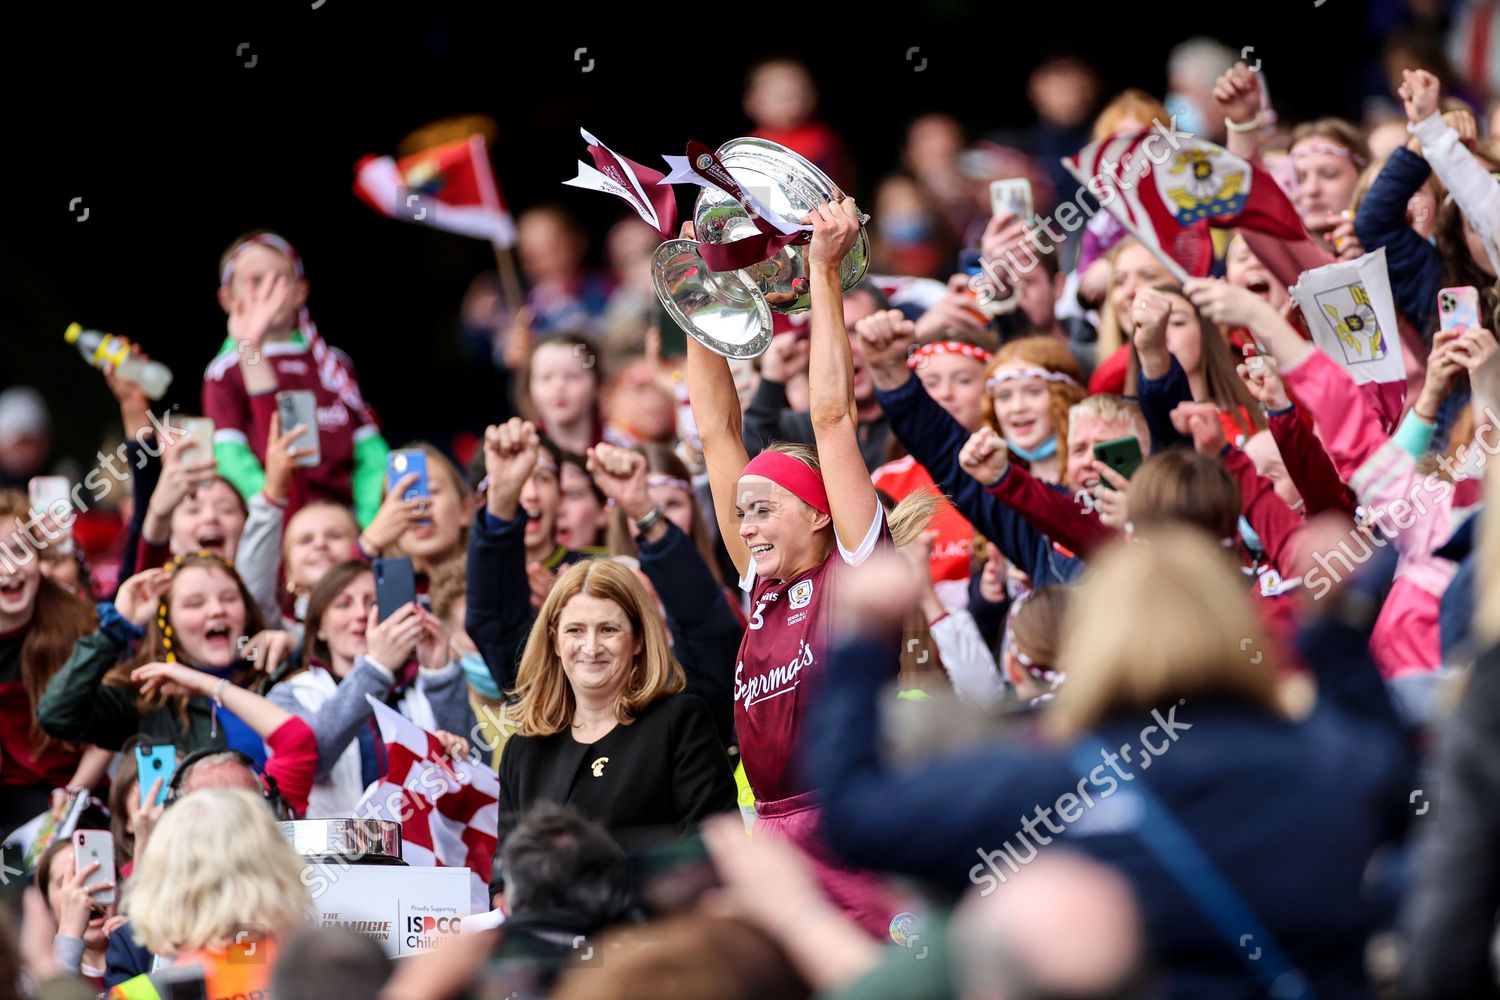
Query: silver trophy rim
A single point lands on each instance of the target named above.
(736, 152)
(752, 348)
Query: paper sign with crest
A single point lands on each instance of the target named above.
(1352, 317)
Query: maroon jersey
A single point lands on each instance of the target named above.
(784, 650)
(343, 416)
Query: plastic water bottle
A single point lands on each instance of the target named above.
(100, 349)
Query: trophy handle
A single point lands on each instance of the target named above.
(722, 310)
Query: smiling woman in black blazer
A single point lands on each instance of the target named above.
(604, 727)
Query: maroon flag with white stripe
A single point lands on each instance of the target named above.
(450, 187)
(449, 810)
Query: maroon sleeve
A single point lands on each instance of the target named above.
(1052, 513)
(1275, 522)
(149, 555)
(293, 762)
(262, 409)
(1308, 464)
(225, 404)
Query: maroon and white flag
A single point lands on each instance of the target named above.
(449, 810)
(450, 187)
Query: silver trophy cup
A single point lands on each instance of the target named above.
(729, 312)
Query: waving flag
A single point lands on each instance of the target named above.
(449, 810)
(451, 187)
(1167, 187)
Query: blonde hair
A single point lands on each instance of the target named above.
(1108, 408)
(215, 863)
(1111, 337)
(546, 701)
(1118, 657)
(1130, 103)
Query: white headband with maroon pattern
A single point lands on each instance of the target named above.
(949, 347)
(1045, 374)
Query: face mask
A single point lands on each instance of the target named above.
(1251, 539)
(1189, 118)
(478, 675)
(1041, 452)
(906, 229)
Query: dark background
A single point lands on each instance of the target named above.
(175, 147)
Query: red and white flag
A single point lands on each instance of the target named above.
(451, 187)
(449, 810)
(1167, 188)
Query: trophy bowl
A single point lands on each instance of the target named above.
(729, 312)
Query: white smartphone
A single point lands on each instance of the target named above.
(1012, 195)
(96, 845)
(299, 407)
(50, 497)
(199, 443)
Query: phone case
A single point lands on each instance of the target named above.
(300, 408)
(44, 491)
(1122, 454)
(152, 763)
(1458, 308)
(395, 585)
(403, 463)
(1012, 195)
(96, 845)
(199, 432)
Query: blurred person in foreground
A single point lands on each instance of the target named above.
(216, 888)
(565, 882)
(330, 963)
(1070, 928)
(1200, 831)
(128, 955)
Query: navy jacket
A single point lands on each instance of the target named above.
(1158, 398)
(934, 438)
(1450, 911)
(1288, 812)
(1415, 266)
(768, 419)
(124, 957)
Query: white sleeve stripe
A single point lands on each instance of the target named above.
(228, 435)
(867, 546)
(747, 582)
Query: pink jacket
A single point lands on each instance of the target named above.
(1415, 513)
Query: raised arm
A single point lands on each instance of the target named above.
(705, 634)
(498, 613)
(851, 496)
(716, 412)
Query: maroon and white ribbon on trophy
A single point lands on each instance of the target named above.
(639, 187)
(629, 181)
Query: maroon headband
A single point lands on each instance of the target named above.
(791, 475)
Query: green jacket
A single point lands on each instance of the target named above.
(79, 708)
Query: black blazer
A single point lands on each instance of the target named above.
(664, 772)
